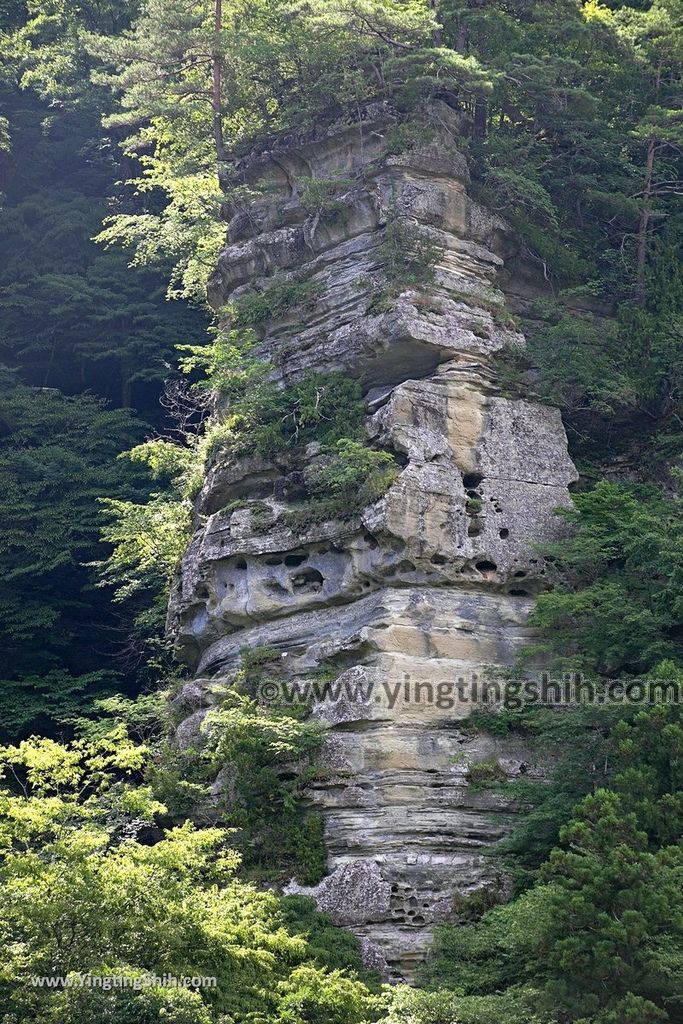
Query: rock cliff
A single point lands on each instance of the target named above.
(430, 584)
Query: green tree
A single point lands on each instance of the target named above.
(599, 937)
(657, 35)
(57, 456)
(73, 315)
(91, 885)
(620, 607)
(268, 68)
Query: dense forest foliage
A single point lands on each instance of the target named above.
(121, 122)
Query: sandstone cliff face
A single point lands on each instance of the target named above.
(430, 584)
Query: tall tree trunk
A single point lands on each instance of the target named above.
(481, 109)
(216, 79)
(436, 34)
(461, 41)
(645, 214)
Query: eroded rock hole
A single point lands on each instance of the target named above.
(370, 541)
(241, 564)
(504, 534)
(293, 560)
(405, 567)
(438, 560)
(486, 566)
(273, 561)
(308, 580)
(472, 480)
(518, 593)
(275, 588)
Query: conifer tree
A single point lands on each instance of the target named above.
(57, 456)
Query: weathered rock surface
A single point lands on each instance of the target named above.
(413, 600)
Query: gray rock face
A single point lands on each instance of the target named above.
(411, 602)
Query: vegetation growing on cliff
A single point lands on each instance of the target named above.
(407, 256)
(575, 136)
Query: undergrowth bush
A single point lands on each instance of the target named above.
(246, 768)
(273, 303)
(407, 135)
(347, 478)
(407, 254)
(319, 197)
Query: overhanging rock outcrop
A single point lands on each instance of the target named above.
(431, 584)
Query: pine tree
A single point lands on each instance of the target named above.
(57, 457)
(657, 35)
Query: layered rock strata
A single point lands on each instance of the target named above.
(431, 584)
